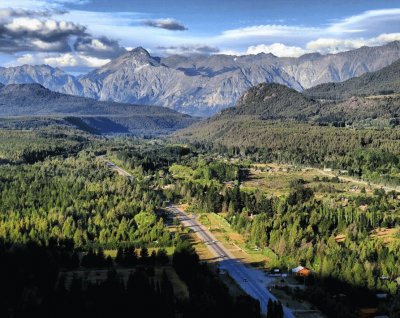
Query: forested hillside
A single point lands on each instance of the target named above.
(102, 117)
(280, 103)
(274, 101)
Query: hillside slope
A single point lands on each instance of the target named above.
(267, 105)
(35, 100)
(274, 101)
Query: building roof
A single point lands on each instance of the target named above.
(297, 269)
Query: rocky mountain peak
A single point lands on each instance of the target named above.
(139, 51)
(139, 56)
(203, 85)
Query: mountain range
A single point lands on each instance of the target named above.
(34, 100)
(269, 104)
(383, 82)
(202, 85)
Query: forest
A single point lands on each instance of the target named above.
(66, 216)
(371, 154)
(63, 210)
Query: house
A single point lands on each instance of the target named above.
(297, 269)
(304, 272)
(301, 271)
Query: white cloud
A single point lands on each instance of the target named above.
(367, 21)
(374, 27)
(388, 37)
(269, 30)
(44, 27)
(332, 45)
(277, 49)
(335, 45)
(62, 60)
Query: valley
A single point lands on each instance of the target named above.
(265, 214)
(200, 159)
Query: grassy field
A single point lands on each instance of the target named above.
(113, 253)
(275, 179)
(235, 242)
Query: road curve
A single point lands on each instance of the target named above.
(252, 281)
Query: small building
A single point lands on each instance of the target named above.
(305, 272)
(297, 269)
(301, 271)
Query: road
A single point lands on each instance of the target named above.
(358, 181)
(114, 167)
(252, 281)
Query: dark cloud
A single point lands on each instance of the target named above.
(188, 49)
(167, 24)
(34, 34)
(101, 47)
(35, 31)
(18, 13)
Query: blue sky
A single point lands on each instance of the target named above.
(78, 35)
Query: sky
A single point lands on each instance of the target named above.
(79, 35)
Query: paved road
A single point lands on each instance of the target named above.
(252, 281)
(358, 181)
(114, 167)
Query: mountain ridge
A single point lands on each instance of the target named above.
(202, 85)
(30, 100)
(384, 81)
(269, 103)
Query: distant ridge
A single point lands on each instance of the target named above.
(36, 100)
(383, 82)
(202, 85)
(268, 104)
